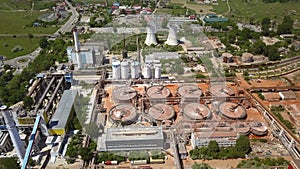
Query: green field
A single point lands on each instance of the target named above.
(15, 4)
(8, 43)
(257, 10)
(20, 23)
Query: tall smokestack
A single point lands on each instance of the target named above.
(14, 135)
(124, 52)
(138, 49)
(77, 48)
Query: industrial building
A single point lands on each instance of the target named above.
(58, 125)
(6, 144)
(224, 139)
(132, 138)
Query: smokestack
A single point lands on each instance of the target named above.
(150, 39)
(14, 135)
(124, 52)
(172, 37)
(138, 49)
(77, 48)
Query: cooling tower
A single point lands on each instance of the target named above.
(77, 48)
(172, 37)
(150, 39)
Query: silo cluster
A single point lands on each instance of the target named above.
(125, 70)
(152, 70)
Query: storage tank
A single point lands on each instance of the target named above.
(116, 69)
(147, 71)
(123, 113)
(157, 71)
(124, 70)
(135, 70)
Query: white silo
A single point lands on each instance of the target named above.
(150, 39)
(135, 69)
(13, 133)
(124, 70)
(172, 37)
(116, 69)
(147, 71)
(157, 71)
(77, 48)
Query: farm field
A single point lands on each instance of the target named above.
(199, 9)
(8, 43)
(256, 9)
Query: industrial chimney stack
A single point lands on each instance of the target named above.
(77, 48)
(14, 135)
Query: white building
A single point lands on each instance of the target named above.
(223, 138)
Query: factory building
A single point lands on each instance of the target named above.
(131, 138)
(58, 125)
(6, 144)
(224, 139)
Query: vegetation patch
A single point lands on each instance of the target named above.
(258, 163)
(279, 109)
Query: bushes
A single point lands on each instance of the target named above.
(263, 163)
(213, 151)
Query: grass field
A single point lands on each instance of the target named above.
(15, 23)
(256, 9)
(15, 4)
(198, 8)
(8, 43)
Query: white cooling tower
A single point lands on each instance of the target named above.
(116, 69)
(77, 48)
(150, 39)
(172, 37)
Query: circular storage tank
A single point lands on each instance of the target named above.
(116, 69)
(124, 70)
(158, 92)
(123, 113)
(189, 91)
(242, 128)
(134, 70)
(220, 90)
(247, 57)
(147, 71)
(123, 94)
(157, 71)
(258, 128)
(161, 112)
(196, 111)
(232, 110)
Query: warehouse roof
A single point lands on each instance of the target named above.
(134, 133)
(61, 115)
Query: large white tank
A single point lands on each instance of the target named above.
(124, 70)
(135, 69)
(157, 71)
(116, 69)
(147, 71)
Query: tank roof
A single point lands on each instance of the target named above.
(124, 113)
(197, 111)
(123, 93)
(232, 110)
(161, 112)
(158, 92)
(189, 91)
(221, 90)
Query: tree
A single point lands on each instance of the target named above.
(28, 102)
(43, 43)
(286, 26)
(92, 130)
(272, 53)
(258, 47)
(243, 144)
(213, 146)
(86, 154)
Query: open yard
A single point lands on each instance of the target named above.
(8, 43)
(257, 10)
(199, 9)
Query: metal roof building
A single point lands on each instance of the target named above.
(133, 138)
(59, 122)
